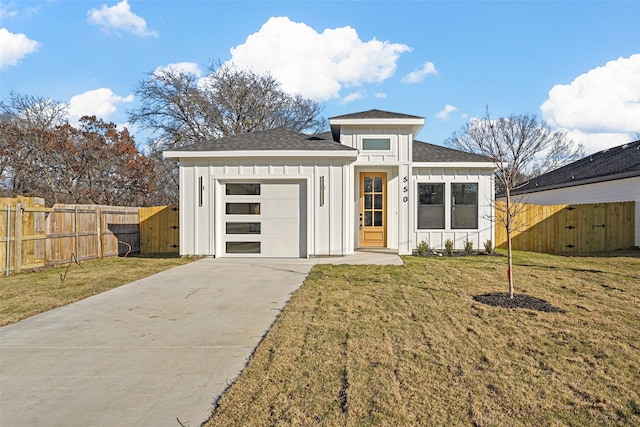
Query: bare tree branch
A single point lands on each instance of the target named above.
(180, 108)
(520, 147)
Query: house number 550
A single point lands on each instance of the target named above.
(405, 189)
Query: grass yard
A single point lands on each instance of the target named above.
(408, 345)
(25, 294)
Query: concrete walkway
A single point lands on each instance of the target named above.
(152, 352)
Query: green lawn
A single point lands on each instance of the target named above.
(408, 345)
(25, 294)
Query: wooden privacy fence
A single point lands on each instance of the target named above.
(598, 227)
(32, 235)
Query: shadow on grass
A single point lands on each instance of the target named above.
(501, 299)
(154, 255)
(631, 253)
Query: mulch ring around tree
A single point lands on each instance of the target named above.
(501, 299)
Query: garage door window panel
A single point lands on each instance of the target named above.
(242, 247)
(242, 189)
(243, 227)
(239, 208)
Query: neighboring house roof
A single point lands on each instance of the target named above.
(279, 139)
(425, 152)
(376, 114)
(606, 165)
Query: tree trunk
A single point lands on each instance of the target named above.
(509, 217)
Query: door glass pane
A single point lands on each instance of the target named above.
(367, 184)
(243, 208)
(243, 227)
(377, 184)
(377, 201)
(377, 219)
(242, 189)
(367, 201)
(367, 219)
(243, 247)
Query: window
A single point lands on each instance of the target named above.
(243, 208)
(464, 206)
(430, 206)
(379, 144)
(243, 227)
(242, 189)
(242, 247)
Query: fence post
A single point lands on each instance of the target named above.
(7, 269)
(98, 232)
(75, 226)
(17, 241)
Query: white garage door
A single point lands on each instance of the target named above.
(266, 219)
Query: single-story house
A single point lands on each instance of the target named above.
(611, 175)
(365, 184)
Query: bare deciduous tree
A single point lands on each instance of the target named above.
(179, 108)
(26, 123)
(520, 147)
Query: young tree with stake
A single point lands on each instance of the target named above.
(520, 147)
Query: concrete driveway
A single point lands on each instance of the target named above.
(155, 352)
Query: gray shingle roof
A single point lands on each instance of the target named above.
(376, 114)
(425, 152)
(273, 139)
(614, 163)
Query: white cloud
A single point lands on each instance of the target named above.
(444, 113)
(380, 95)
(316, 65)
(600, 108)
(101, 103)
(184, 67)
(418, 75)
(7, 12)
(120, 18)
(14, 47)
(606, 98)
(353, 97)
(594, 142)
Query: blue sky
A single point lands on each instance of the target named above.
(575, 64)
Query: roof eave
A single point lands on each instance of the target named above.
(595, 180)
(259, 153)
(480, 165)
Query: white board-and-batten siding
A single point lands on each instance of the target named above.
(328, 226)
(400, 144)
(619, 190)
(445, 175)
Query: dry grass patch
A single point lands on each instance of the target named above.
(408, 345)
(29, 293)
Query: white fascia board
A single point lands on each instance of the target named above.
(384, 122)
(414, 124)
(258, 153)
(474, 165)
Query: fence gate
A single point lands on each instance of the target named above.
(159, 232)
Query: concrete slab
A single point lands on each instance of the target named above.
(152, 352)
